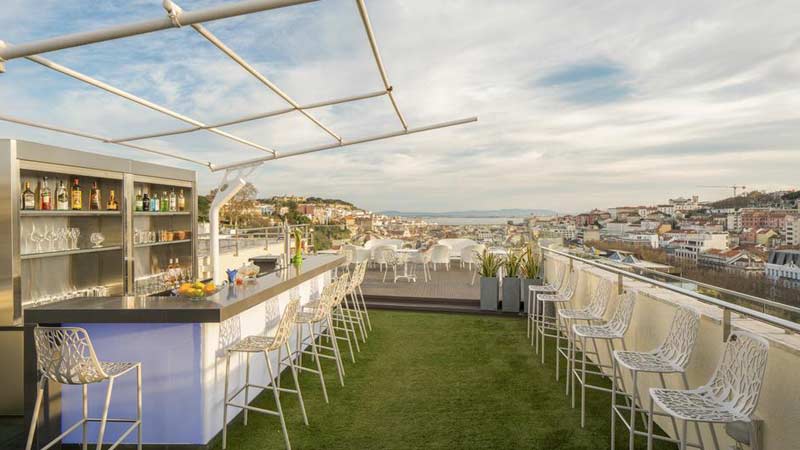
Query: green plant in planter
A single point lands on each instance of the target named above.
(512, 263)
(298, 247)
(489, 263)
(530, 264)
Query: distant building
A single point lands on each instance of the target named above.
(791, 231)
(783, 265)
(735, 259)
(690, 245)
(681, 204)
(767, 218)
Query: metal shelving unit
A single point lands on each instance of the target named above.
(68, 213)
(165, 214)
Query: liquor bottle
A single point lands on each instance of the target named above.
(164, 202)
(181, 202)
(62, 200)
(45, 200)
(173, 201)
(77, 200)
(112, 204)
(145, 206)
(28, 198)
(139, 201)
(94, 197)
(154, 204)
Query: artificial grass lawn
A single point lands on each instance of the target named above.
(436, 381)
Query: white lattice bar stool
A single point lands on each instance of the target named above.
(730, 396)
(608, 332)
(671, 357)
(550, 326)
(342, 318)
(355, 303)
(264, 345)
(316, 314)
(533, 311)
(594, 312)
(360, 294)
(65, 355)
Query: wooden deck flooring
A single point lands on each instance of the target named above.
(450, 286)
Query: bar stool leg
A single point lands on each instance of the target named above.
(277, 402)
(583, 382)
(364, 301)
(246, 385)
(104, 418)
(346, 335)
(139, 407)
(650, 426)
(296, 384)
(85, 401)
(613, 400)
(336, 353)
(696, 425)
(36, 406)
(225, 402)
(316, 357)
(634, 397)
(574, 371)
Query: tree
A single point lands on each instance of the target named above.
(240, 211)
(203, 206)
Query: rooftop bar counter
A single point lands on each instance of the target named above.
(181, 344)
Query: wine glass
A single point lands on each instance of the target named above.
(36, 238)
(75, 233)
(97, 239)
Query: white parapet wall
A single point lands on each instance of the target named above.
(779, 405)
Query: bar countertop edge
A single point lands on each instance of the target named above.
(228, 302)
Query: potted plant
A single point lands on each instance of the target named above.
(511, 281)
(489, 264)
(298, 247)
(529, 272)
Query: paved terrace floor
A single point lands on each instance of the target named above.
(452, 287)
(437, 381)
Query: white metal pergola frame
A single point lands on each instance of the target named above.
(177, 18)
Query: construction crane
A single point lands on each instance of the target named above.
(734, 187)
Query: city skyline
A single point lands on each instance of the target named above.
(642, 104)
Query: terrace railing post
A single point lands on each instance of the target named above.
(235, 242)
(726, 324)
(620, 286)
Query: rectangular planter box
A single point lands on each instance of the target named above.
(526, 282)
(489, 293)
(511, 288)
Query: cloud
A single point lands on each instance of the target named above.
(590, 104)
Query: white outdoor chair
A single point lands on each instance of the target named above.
(379, 254)
(388, 257)
(440, 254)
(730, 396)
(614, 329)
(672, 356)
(469, 255)
(422, 258)
(65, 355)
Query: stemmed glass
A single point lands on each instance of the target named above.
(36, 239)
(75, 233)
(97, 239)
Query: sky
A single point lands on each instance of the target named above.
(580, 104)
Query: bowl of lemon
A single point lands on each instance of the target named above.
(198, 289)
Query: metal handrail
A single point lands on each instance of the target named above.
(722, 290)
(727, 307)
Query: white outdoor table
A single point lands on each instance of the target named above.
(402, 255)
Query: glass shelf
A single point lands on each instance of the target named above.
(152, 244)
(78, 251)
(66, 213)
(173, 213)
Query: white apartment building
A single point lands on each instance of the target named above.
(791, 231)
(666, 209)
(783, 264)
(650, 239)
(734, 221)
(616, 228)
(690, 245)
(685, 204)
